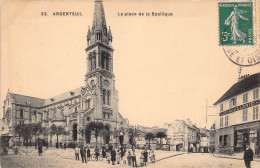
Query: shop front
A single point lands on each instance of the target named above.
(247, 134)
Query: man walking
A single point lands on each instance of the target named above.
(248, 156)
(83, 154)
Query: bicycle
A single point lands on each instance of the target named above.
(93, 157)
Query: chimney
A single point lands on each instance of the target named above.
(243, 77)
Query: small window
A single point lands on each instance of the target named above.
(221, 107)
(220, 140)
(255, 113)
(104, 115)
(255, 96)
(245, 115)
(3, 128)
(226, 121)
(225, 140)
(245, 98)
(21, 113)
(221, 122)
(76, 109)
(233, 102)
(108, 116)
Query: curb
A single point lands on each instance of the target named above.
(234, 158)
(170, 157)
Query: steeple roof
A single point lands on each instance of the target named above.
(99, 20)
(98, 31)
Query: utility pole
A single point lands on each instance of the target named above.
(207, 106)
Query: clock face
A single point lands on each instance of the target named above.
(106, 83)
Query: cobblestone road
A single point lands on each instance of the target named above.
(65, 159)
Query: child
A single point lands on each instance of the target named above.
(118, 156)
(108, 157)
(152, 157)
(142, 159)
(124, 159)
(129, 158)
(88, 154)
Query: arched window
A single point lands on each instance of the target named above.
(74, 135)
(104, 97)
(108, 98)
(21, 113)
(88, 104)
(107, 63)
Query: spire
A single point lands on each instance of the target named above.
(89, 33)
(99, 27)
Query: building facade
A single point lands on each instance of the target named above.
(96, 101)
(183, 135)
(238, 121)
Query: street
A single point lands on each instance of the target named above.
(60, 158)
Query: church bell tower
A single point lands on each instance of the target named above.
(100, 77)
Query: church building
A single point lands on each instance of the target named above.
(96, 101)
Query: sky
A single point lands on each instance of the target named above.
(166, 68)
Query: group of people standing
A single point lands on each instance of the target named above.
(115, 156)
(84, 153)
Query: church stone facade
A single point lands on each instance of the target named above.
(96, 101)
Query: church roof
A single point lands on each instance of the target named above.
(24, 100)
(244, 85)
(39, 102)
(63, 96)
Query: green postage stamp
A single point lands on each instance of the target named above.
(236, 23)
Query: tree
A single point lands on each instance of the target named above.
(95, 128)
(18, 129)
(105, 134)
(57, 130)
(36, 131)
(161, 135)
(133, 132)
(45, 133)
(26, 133)
(149, 136)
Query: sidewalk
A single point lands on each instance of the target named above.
(238, 156)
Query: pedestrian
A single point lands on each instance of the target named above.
(64, 146)
(108, 155)
(142, 159)
(110, 147)
(83, 154)
(88, 154)
(40, 150)
(113, 155)
(134, 158)
(248, 156)
(77, 152)
(145, 154)
(152, 156)
(118, 156)
(104, 151)
(122, 151)
(129, 158)
(97, 152)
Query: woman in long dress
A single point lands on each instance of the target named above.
(233, 19)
